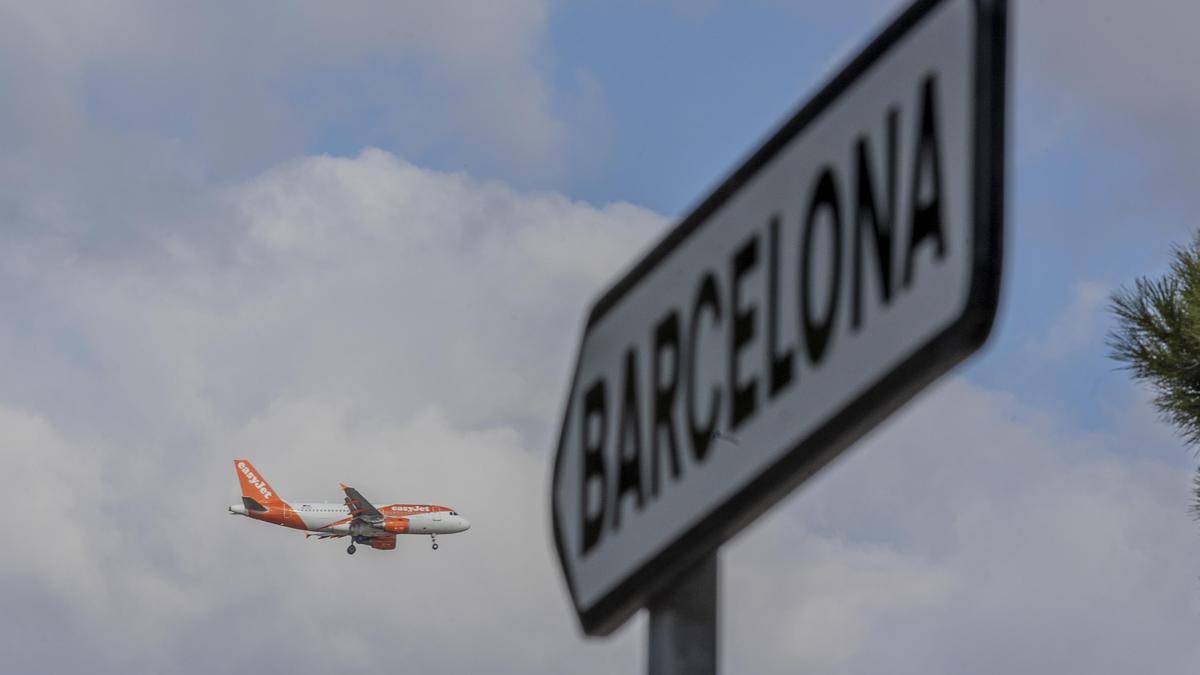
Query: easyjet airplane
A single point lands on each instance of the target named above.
(356, 518)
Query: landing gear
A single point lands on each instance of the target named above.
(351, 549)
(434, 538)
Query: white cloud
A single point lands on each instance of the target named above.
(1076, 329)
(1076, 47)
(365, 320)
(355, 320)
(1111, 76)
(241, 85)
(973, 534)
(464, 294)
(410, 332)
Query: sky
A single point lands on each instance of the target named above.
(354, 242)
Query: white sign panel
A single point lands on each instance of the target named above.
(852, 259)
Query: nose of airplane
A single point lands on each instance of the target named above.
(464, 523)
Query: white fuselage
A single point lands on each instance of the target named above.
(332, 519)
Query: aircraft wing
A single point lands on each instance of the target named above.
(360, 508)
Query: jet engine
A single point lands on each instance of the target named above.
(383, 543)
(394, 525)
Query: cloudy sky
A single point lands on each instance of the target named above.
(354, 242)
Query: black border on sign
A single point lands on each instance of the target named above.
(964, 336)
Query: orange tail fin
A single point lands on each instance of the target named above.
(255, 489)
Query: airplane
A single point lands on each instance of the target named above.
(356, 518)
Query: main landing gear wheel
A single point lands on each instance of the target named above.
(434, 538)
(350, 549)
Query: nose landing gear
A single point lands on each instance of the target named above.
(434, 538)
(351, 549)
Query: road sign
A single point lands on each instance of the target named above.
(850, 261)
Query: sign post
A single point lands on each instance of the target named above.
(683, 623)
(849, 262)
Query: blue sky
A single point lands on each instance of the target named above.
(682, 92)
(356, 244)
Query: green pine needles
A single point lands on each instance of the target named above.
(1157, 338)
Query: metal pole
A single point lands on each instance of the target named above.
(683, 623)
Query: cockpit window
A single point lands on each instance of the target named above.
(454, 513)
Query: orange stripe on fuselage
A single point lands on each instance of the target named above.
(279, 515)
